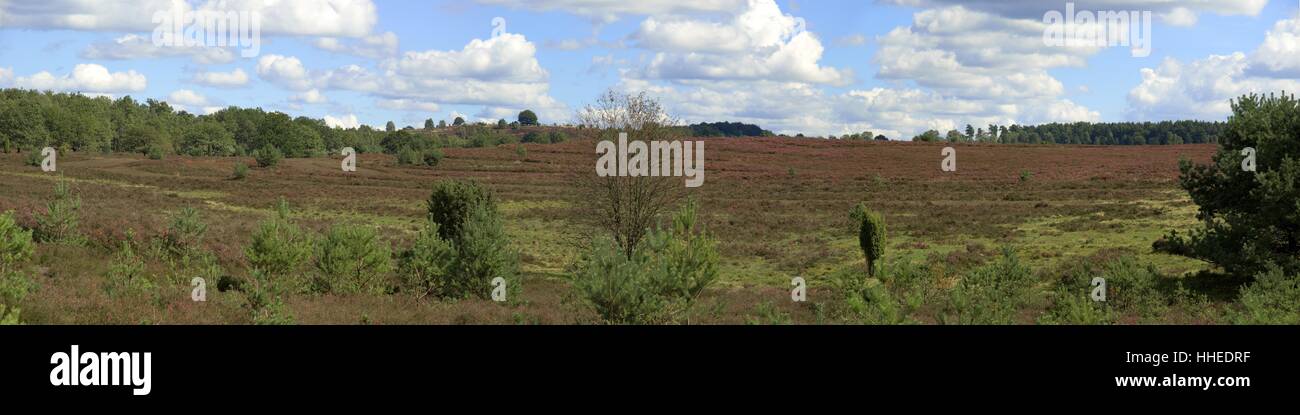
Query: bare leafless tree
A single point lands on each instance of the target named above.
(626, 208)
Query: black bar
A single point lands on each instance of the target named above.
(377, 362)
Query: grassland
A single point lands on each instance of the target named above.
(778, 206)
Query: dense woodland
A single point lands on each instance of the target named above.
(728, 129)
(31, 119)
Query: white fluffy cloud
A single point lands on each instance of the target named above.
(346, 122)
(1203, 88)
(760, 43)
(346, 18)
(133, 46)
(187, 98)
(1172, 12)
(953, 66)
(85, 78)
(1279, 55)
(612, 10)
(500, 72)
(124, 16)
(973, 54)
(285, 71)
(233, 79)
(408, 105)
(508, 57)
(374, 47)
(312, 96)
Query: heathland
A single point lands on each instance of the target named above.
(777, 207)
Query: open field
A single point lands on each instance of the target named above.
(778, 207)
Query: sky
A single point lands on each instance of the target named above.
(818, 67)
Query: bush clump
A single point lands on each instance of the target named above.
(1273, 299)
(871, 235)
(1132, 289)
(464, 247)
(241, 171)
(62, 217)
(155, 152)
(659, 283)
(426, 266)
(185, 231)
(34, 157)
(126, 274)
(556, 137)
(16, 247)
(350, 259)
(268, 156)
(452, 201)
(278, 246)
(991, 294)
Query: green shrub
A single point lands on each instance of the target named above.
(278, 246)
(62, 217)
(16, 247)
(451, 203)
(1076, 307)
(155, 152)
(241, 171)
(531, 137)
(268, 156)
(428, 157)
(263, 298)
(866, 300)
(1025, 175)
(686, 257)
(426, 266)
(521, 151)
(14, 287)
(207, 139)
(483, 254)
(659, 283)
(409, 156)
(126, 274)
(991, 294)
(351, 259)
(1131, 289)
(1274, 298)
(618, 288)
(33, 158)
(556, 137)
(871, 235)
(432, 157)
(15, 243)
(185, 231)
(463, 266)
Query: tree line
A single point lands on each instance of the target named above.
(30, 120)
(1119, 133)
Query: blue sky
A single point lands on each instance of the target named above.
(819, 67)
